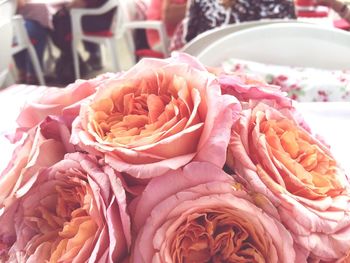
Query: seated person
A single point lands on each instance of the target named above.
(338, 6)
(38, 35)
(171, 12)
(206, 15)
(61, 35)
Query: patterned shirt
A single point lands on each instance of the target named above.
(94, 3)
(209, 14)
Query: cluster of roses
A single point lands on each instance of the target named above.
(168, 162)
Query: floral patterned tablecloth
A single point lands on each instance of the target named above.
(301, 84)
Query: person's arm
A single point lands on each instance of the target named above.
(172, 13)
(340, 7)
(227, 3)
(77, 4)
(21, 3)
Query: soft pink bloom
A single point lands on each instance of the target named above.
(156, 117)
(272, 154)
(251, 92)
(200, 214)
(246, 89)
(58, 101)
(74, 211)
(40, 147)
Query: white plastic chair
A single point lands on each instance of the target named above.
(196, 45)
(292, 44)
(127, 25)
(7, 8)
(22, 42)
(78, 35)
(6, 30)
(20, 36)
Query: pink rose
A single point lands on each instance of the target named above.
(57, 101)
(156, 117)
(40, 147)
(346, 259)
(74, 211)
(274, 155)
(199, 214)
(246, 89)
(250, 92)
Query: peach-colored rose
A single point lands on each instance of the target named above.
(58, 101)
(156, 117)
(40, 147)
(273, 155)
(199, 214)
(347, 258)
(71, 212)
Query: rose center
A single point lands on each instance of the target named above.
(62, 221)
(297, 155)
(216, 237)
(138, 116)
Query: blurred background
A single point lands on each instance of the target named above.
(54, 42)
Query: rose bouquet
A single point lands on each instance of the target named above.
(170, 162)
